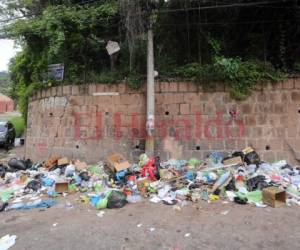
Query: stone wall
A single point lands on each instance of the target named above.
(89, 122)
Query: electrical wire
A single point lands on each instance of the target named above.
(175, 10)
(224, 6)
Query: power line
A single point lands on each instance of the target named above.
(224, 6)
(173, 10)
(225, 23)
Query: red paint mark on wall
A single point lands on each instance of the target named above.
(181, 128)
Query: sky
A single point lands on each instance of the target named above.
(7, 51)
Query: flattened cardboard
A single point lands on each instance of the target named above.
(117, 162)
(247, 150)
(52, 161)
(233, 161)
(63, 161)
(79, 165)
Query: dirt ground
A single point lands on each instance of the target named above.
(152, 226)
(146, 225)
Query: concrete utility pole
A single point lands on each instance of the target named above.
(150, 125)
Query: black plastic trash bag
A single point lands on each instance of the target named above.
(35, 185)
(17, 164)
(3, 206)
(3, 170)
(241, 201)
(252, 158)
(257, 182)
(84, 176)
(116, 199)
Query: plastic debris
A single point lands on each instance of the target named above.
(100, 214)
(7, 241)
(225, 212)
(240, 177)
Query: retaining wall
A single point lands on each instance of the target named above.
(91, 121)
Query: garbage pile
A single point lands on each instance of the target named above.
(240, 177)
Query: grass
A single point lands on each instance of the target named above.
(19, 125)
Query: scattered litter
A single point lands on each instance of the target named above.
(225, 212)
(139, 225)
(100, 214)
(55, 224)
(239, 176)
(155, 199)
(187, 235)
(152, 229)
(7, 241)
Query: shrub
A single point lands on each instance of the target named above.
(19, 125)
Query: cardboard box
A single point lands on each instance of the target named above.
(63, 161)
(79, 165)
(233, 161)
(274, 197)
(117, 162)
(61, 187)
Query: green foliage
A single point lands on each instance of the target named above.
(105, 77)
(23, 94)
(5, 83)
(70, 34)
(240, 76)
(65, 31)
(19, 125)
(134, 81)
(297, 67)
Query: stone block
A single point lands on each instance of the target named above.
(268, 156)
(168, 86)
(157, 87)
(193, 98)
(217, 145)
(275, 97)
(279, 108)
(257, 132)
(183, 87)
(184, 109)
(92, 89)
(173, 98)
(67, 90)
(246, 108)
(196, 108)
(241, 144)
(250, 120)
(75, 90)
(275, 144)
(230, 144)
(295, 96)
(288, 84)
(173, 109)
(297, 83)
(209, 108)
(59, 91)
(261, 97)
(192, 87)
(83, 89)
